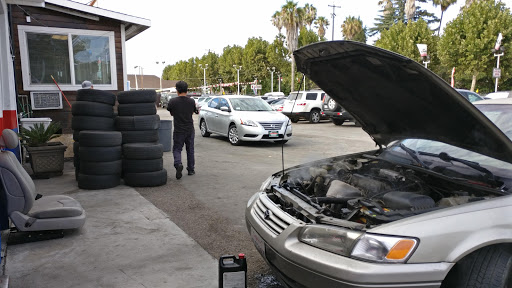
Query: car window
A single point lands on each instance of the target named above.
(323, 96)
(214, 103)
(311, 96)
(294, 96)
(249, 104)
(473, 97)
(223, 102)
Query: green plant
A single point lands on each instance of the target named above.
(39, 135)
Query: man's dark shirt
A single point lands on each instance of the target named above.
(182, 108)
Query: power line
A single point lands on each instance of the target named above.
(333, 15)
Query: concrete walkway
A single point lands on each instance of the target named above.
(126, 242)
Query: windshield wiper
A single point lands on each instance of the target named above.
(414, 155)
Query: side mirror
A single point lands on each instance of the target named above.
(225, 109)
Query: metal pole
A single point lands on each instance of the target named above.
(238, 80)
(279, 80)
(333, 15)
(497, 67)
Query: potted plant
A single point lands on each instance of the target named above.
(46, 158)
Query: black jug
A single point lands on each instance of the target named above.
(233, 271)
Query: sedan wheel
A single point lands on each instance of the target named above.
(233, 136)
(204, 129)
(314, 116)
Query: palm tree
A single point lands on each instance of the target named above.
(321, 23)
(309, 14)
(292, 18)
(387, 6)
(277, 21)
(410, 10)
(352, 29)
(444, 5)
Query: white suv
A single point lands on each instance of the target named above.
(304, 104)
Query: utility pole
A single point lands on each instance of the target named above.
(238, 68)
(333, 15)
(271, 77)
(163, 63)
(204, 76)
(279, 79)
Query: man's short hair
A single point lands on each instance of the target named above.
(181, 87)
(86, 85)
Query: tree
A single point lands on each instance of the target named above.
(292, 18)
(321, 23)
(277, 21)
(352, 29)
(410, 10)
(309, 14)
(467, 41)
(277, 56)
(444, 6)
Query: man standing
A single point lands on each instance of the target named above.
(182, 108)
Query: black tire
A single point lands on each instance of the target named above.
(76, 161)
(141, 166)
(333, 105)
(136, 109)
(100, 154)
(100, 138)
(147, 136)
(94, 95)
(233, 137)
(136, 96)
(314, 116)
(137, 123)
(281, 141)
(76, 148)
(86, 108)
(147, 179)
(76, 135)
(489, 267)
(95, 182)
(92, 123)
(294, 120)
(204, 129)
(143, 151)
(101, 168)
(338, 122)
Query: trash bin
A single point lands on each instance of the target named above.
(165, 134)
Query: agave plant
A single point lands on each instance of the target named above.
(39, 135)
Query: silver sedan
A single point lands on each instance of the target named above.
(244, 118)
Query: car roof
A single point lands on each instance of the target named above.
(500, 101)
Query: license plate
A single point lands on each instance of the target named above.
(273, 134)
(258, 242)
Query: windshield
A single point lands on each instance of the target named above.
(501, 115)
(249, 104)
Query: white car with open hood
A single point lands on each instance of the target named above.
(430, 207)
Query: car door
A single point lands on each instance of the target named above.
(224, 117)
(212, 115)
(290, 102)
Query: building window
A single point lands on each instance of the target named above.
(71, 56)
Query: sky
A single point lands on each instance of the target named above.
(184, 29)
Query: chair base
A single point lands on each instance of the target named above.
(21, 237)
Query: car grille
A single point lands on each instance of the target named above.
(272, 125)
(275, 219)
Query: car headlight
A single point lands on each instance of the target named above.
(266, 184)
(248, 123)
(289, 123)
(386, 249)
(252, 199)
(332, 239)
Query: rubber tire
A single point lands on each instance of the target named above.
(92, 138)
(101, 168)
(146, 136)
(314, 116)
(338, 122)
(100, 154)
(232, 132)
(147, 179)
(142, 166)
(92, 123)
(335, 107)
(96, 182)
(136, 109)
(294, 120)
(98, 96)
(143, 151)
(76, 148)
(86, 108)
(204, 130)
(136, 96)
(137, 123)
(488, 267)
(76, 135)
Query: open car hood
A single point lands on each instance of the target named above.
(394, 97)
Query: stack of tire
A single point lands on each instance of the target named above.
(100, 159)
(93, 110)
(142, 154)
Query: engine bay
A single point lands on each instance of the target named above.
(372, 191)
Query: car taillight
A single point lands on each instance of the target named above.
(322, 113)
(339, 114)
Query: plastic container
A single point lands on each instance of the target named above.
(233, 271)
(165, 134)
(28, 123)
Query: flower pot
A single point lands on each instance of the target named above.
(48, 160)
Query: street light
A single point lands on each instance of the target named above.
(498, 52)
(271, 77)
(204, 76)
(279, 80)
(238, 68)
(163, 63)
(141, 72)
(220, 82)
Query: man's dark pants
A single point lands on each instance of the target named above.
(179, 140)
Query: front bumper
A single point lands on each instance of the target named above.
(251, 133)
(301, 265)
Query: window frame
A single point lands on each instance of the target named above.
(25, 65)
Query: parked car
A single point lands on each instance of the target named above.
(244, 118)
(499, 95)
(277, 104)
(304, 105)
(429, 208)
(470, 95)
(203, 100)
(164, 99)
(333, 110)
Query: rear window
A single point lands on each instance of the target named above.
(294, 96)
(311, 96)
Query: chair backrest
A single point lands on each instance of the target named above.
(16, 184)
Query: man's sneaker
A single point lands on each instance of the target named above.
(179, 168)
(191, 172)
